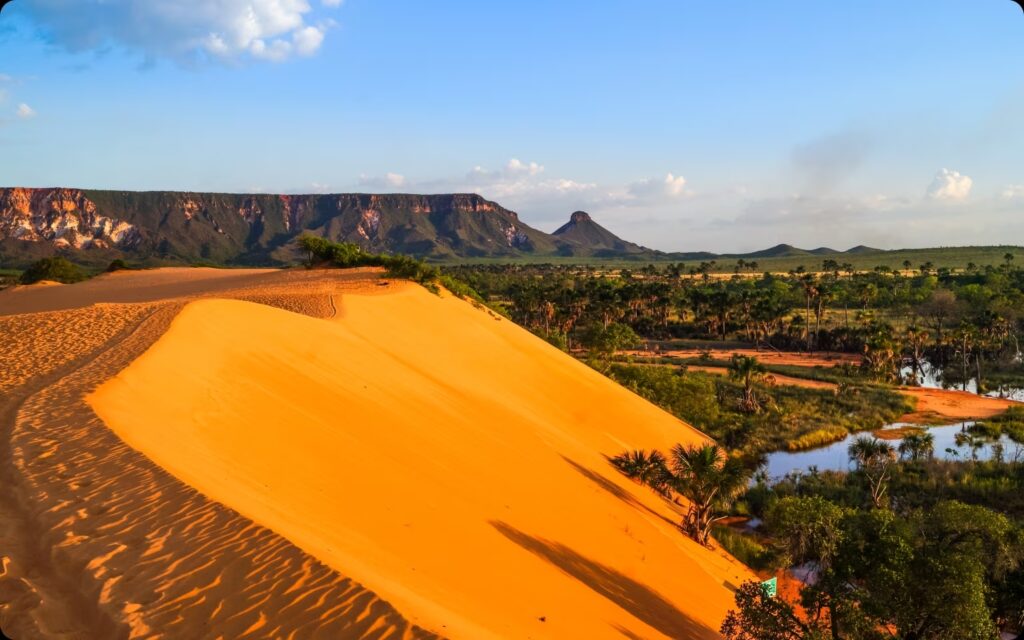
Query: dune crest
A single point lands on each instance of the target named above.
(446, 459)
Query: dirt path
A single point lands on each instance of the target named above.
(98, 542)
(774, 378)
(768, 357)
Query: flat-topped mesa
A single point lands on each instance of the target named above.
(94, 227)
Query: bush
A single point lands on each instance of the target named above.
(118, 265)
(817, 438)
(745, 549)
(606, 341)
(347, 255)
(57, 269)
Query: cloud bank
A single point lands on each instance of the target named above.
(665, 212)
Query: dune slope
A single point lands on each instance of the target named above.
(446, 459)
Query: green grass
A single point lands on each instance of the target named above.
(788, 414)
(817, 438)
(745, 548)
(951, 257)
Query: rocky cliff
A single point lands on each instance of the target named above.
(94, 226)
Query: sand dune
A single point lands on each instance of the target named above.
(388, 464)
(446, 459)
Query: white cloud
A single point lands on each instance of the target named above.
(658, 189)
(308, 40)
(186, 30)
(950, 185)
(516, 167)
(388, 182)
(25, 112)
(1013, 192)
(526, 188)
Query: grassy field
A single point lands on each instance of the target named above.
(951, 257)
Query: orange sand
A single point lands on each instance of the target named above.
(939, 404)
(448, 460)
(96, 541)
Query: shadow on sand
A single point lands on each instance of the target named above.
(638, 600)
(616, 490)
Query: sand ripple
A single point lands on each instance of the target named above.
(98, 542)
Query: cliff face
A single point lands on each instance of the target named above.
(93, 226)
(64, 218)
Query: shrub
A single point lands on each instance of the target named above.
(117, 265)
(347, 254)
(745, 548)
(817, 438)
(57, 269)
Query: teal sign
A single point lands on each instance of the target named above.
(770, 587)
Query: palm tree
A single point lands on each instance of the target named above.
(749, 371)
(705, 475)
(710, 480)
(646, 468)
(917, 446)
(875, 459)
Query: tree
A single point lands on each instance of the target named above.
(606, 341)
(807, 529)
(760, 617)
(705, 475)
(57, 269)
(917, 446)
(748, 370)
(710, 480)
(875, 459)
(646, 468)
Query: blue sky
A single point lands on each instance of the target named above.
(684, 125)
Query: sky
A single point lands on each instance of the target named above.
(683, 125)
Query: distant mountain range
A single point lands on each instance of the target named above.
(94, 227)
(780, 251)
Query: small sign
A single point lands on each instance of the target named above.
(770, 587)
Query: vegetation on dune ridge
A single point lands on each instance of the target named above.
(52, 269)
(347, 255)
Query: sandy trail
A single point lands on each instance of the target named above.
(775, 378)
(98, 542)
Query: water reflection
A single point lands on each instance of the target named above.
(834, 457)
(930, 377)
